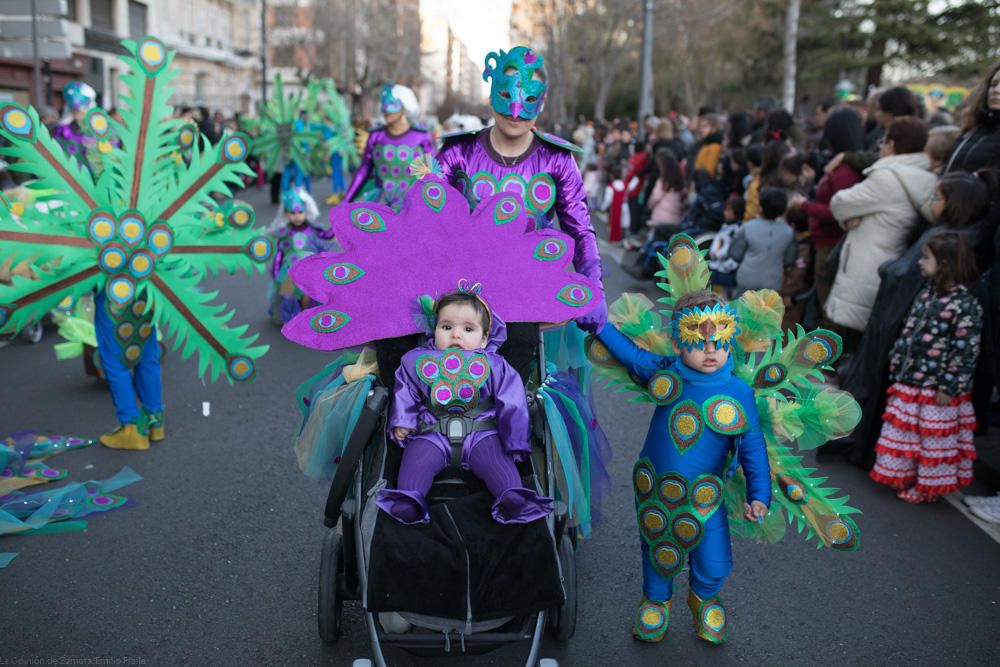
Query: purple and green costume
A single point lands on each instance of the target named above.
(468, 407)
(545, 177)
(386, 162)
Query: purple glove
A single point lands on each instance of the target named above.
(595, 320)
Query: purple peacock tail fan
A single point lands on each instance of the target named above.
(389, 259)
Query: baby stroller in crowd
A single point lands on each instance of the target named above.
(480, 598)
(463, 583)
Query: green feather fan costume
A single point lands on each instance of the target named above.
(797, 412)
(137, 231)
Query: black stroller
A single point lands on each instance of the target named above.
(472, 594)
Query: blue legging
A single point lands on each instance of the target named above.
(125, 382)
(711, 562)
(337, 173)
(293, 176)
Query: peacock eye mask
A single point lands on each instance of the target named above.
(390, 103)
(515, 93)
(693, 327)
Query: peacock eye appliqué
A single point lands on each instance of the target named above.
(575, 295)
(550, 249)
(367, 220)
(343, 273)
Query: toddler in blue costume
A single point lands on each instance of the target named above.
(704, 412)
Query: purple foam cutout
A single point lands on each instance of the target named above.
(426, 252)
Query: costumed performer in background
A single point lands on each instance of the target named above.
(383, 174)
(297, 233)
(137, 235)
(79, 98)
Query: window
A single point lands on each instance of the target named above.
(136, 20)
(71, 10)
(101, 17)
(200, 87)
(284, 17)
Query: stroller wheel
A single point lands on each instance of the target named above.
(562, 620)
(331, 573)
(33, 332)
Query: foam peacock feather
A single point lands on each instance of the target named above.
(786, 373)
(390, 259)
(283, 132)
(137, 231)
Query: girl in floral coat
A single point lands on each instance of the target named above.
(926, 447)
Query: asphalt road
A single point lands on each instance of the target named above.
(216, 563)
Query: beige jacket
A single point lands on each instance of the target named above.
(887, 202)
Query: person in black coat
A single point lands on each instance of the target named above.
(961, 203)
(979, 144)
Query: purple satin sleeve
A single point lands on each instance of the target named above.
(511, 406)
(451, 160)
(574, 216)
(279, 257)
(365, 168)
(407, 401)
(427, 143)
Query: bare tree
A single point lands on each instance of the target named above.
(791, 42)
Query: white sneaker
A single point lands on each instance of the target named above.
(989, 513)
(979, 501)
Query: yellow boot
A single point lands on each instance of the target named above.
(151, 423)
(709, 618)
(651, 619)
(126, 436)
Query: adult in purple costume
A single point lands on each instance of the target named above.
(79, 98)
(513, 156)
(470, 398)
(384, 175)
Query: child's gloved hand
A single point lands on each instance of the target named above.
(401, 433)
(755, 511)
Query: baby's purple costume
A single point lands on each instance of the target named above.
(431, 396)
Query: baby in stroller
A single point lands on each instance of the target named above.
(456, 390)
(479, 561)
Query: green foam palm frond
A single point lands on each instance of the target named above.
(34, 151)
(210, 253)
(147, 128)
(42, 238)
(211, 170)
(27, 300)
(199, 326)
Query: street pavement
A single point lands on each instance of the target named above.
(216, 563)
